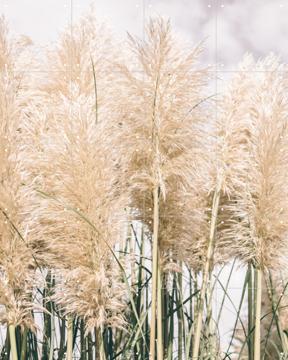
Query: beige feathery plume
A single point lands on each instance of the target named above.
(230, 128)
(229, 151)
(79, 174)
(82, 210)
(17, 265)
(258, 225)
(161, 103)
(82, 64)
(256, 230)
(158, 134)
(228, 158)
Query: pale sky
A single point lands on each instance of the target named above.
(231, 28)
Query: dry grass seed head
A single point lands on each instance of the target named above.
(258, 223)
(17, 265)
(159, 129)
(84, 211)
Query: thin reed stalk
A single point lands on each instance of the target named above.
(238, 311)
(89, 347)
(171, 324)
(160, 353)
(257, 335)
(51, 345)
(210, 325)
(24, 344)
(102, 355)
(250, 339)
(207, 269)
(62, 329)
(69, 355)
(13, 343)
(154, 273)
(180, 318)
(282, 335)
(83, 342)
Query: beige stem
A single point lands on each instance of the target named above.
(207, 269)
(257, 335)
(13, 344)
(154, 274)
(69, 339)
(159, 315)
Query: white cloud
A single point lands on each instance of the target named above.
(258, 26)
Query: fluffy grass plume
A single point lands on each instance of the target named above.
(16, 286)
(82, 207)
(159, 133)
(258, 228)
(257, 233)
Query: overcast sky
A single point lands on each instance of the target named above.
(231, 28)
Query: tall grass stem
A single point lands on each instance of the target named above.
(13, 344)
(154, 272)
(69, 339)
(160, 353)
(207, 269)
(258, 298)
